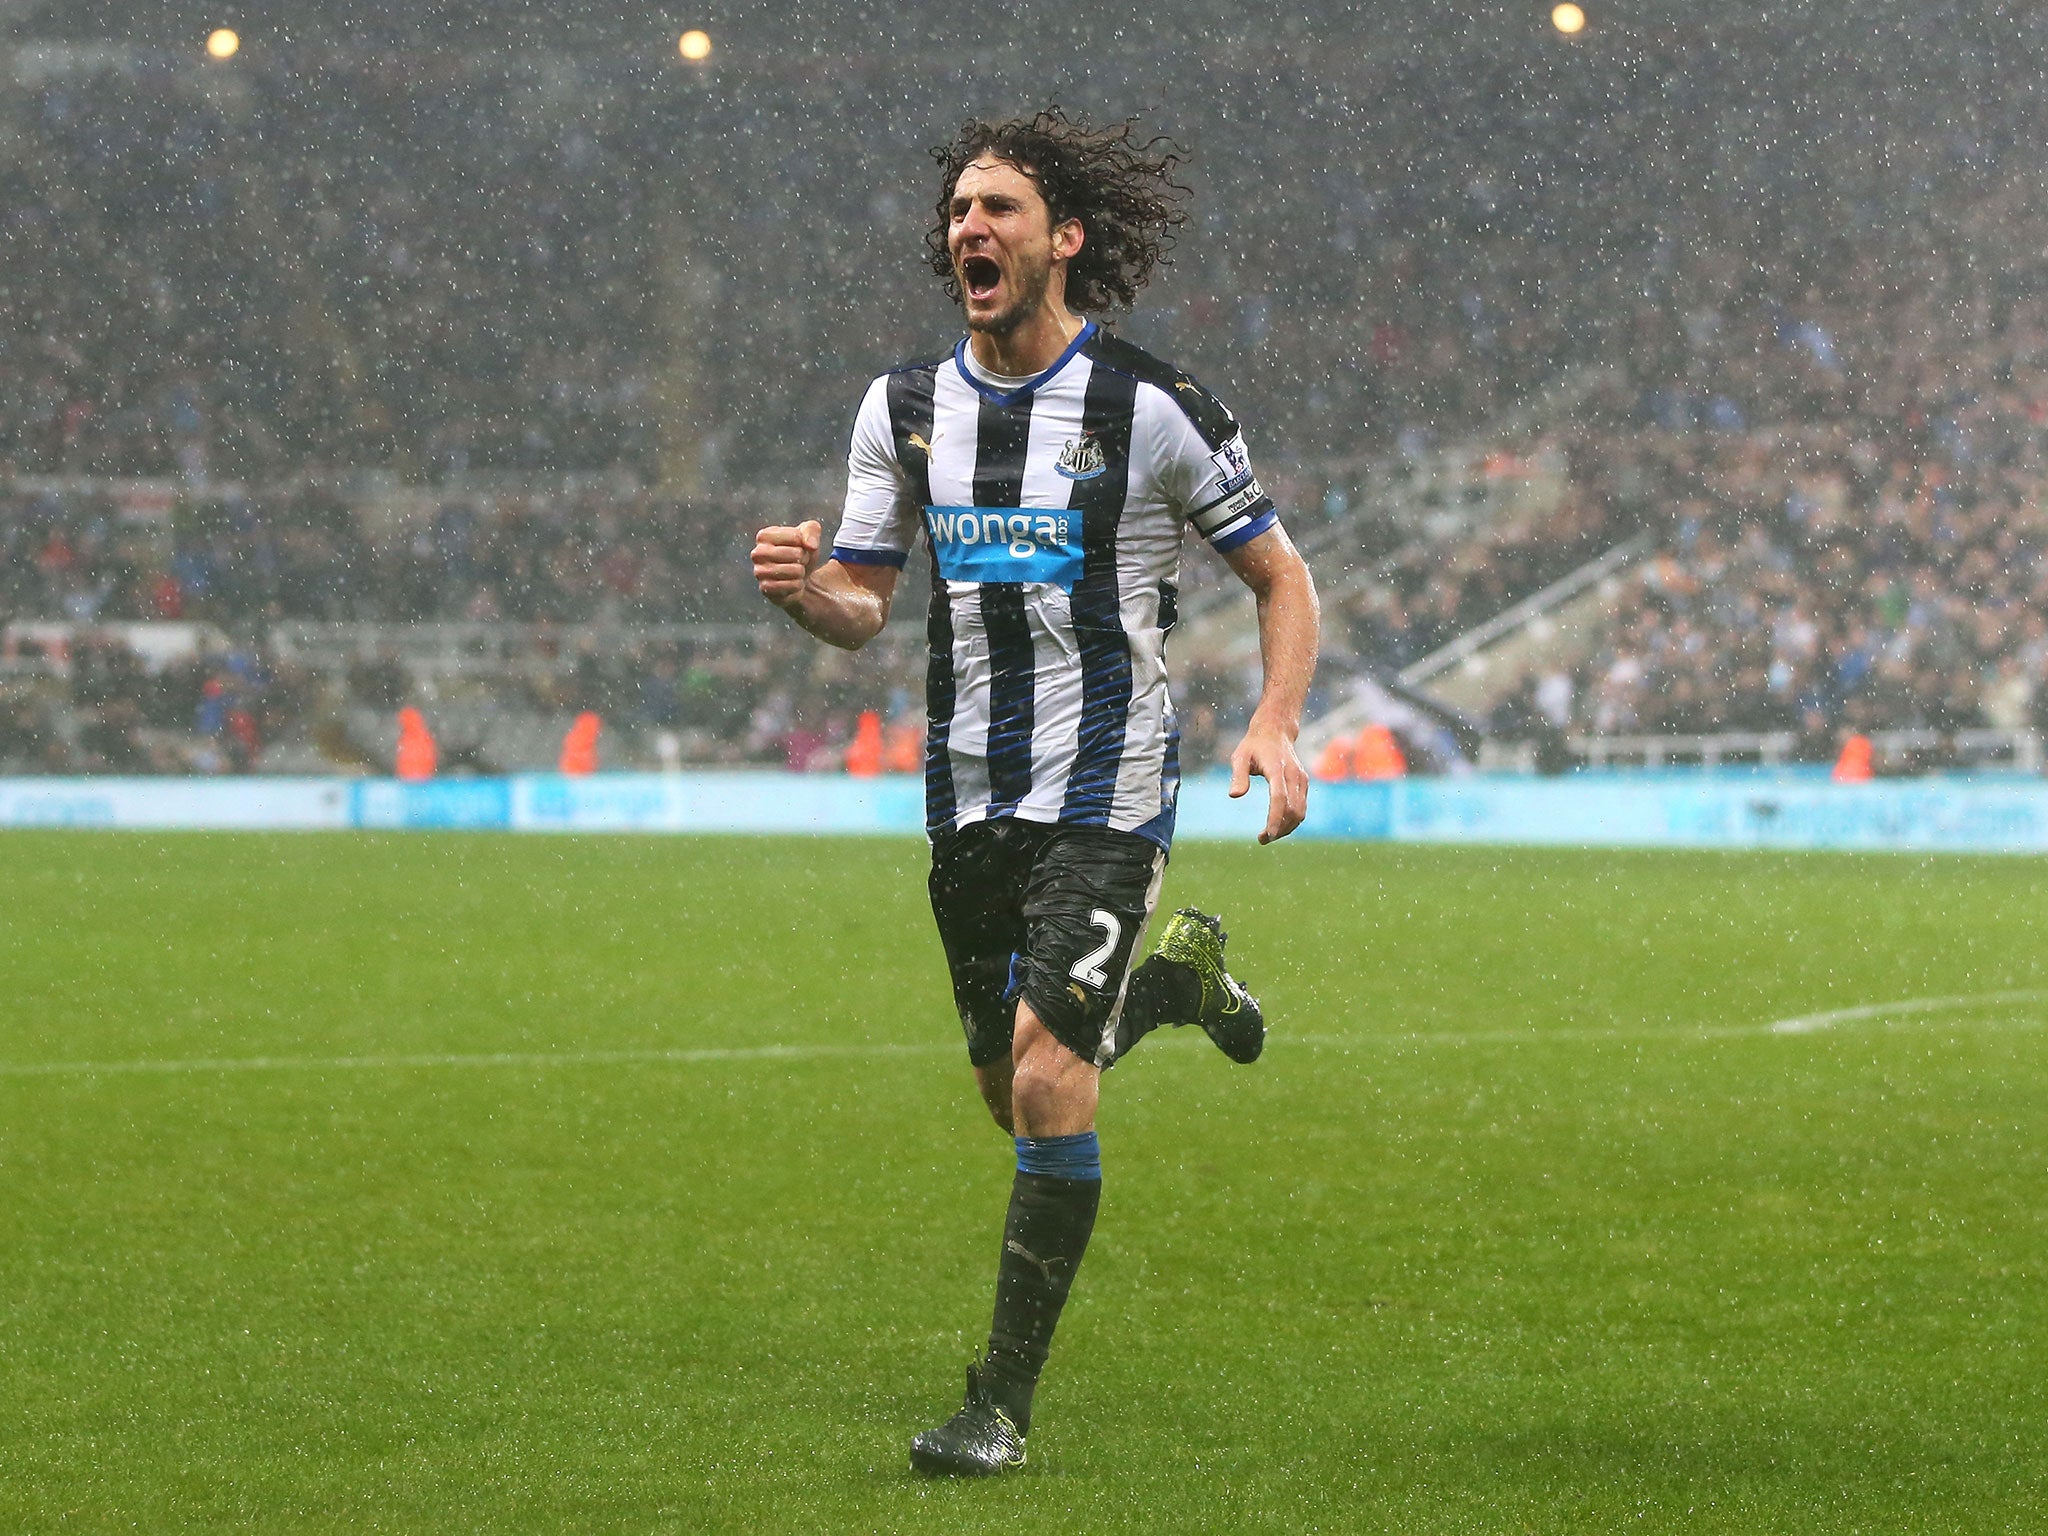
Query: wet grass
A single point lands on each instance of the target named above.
(1526, 1222)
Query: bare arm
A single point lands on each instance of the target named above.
(845, 605)
(1289, 625)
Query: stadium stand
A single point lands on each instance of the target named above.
(364, 377)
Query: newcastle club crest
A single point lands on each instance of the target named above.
(1081, 459)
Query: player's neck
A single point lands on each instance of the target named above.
(1029, 348)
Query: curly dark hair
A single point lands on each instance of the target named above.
(1118, 185)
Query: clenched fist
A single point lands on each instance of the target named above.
(783, 558)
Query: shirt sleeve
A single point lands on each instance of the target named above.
(879, 523)
(1209, 471)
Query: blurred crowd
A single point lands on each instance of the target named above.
(1833, 590)
(1851, 498)
(301, 552)
(211, 710)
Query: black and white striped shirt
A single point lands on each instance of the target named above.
(1054, 512)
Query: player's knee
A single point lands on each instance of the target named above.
(1039, 1079)
(1035, 1092)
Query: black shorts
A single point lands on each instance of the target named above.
(1051, 913)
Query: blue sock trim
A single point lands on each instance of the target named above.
(1061, 1157)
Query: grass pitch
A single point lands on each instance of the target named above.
(446, 1183)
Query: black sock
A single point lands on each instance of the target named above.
(1051, 1215)
(1161, 991)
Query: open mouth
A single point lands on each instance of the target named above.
(980, 275)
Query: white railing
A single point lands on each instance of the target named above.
(1558, 593)
(1772, 748)
(1431, 498)
(1355, 710)
(488, 646)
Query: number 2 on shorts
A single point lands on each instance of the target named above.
(1089, 967)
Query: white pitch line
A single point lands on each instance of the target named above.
(1807, 1023)
(1802, 1024)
